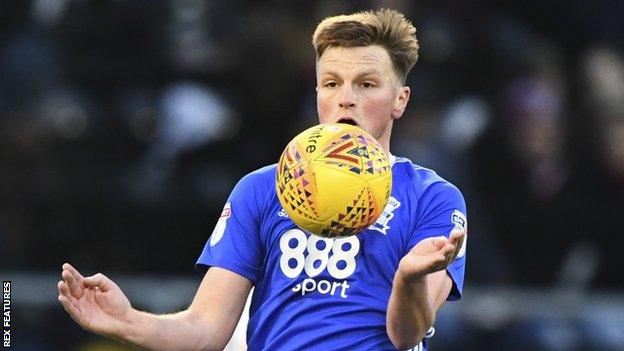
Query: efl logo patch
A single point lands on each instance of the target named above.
(227, 211)
(460, 220)
(219, 229)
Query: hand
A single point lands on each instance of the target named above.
(96, 303)
(431, 255)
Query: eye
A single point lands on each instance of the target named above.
(368, 84)
(331, 84)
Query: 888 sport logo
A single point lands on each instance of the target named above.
(313, 255)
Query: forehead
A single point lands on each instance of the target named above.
(338, 60)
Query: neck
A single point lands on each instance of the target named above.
(384, 140)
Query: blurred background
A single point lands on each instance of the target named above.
(125, 124)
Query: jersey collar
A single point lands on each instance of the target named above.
(392, 159)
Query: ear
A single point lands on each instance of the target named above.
(401, 102)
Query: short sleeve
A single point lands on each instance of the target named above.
(440, 209)
(235, 242)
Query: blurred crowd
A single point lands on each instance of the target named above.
(125, 124)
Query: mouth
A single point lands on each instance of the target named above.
(347, 120)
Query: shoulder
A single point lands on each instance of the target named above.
(255, 187)
(425, 182)
(259, 178)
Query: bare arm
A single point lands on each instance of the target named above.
(420, 287)
(97, 304)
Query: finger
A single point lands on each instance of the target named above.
(439, 241)
(74, 272)
(64, 290)
(70, 308)
(438, 262)
(459, 246)
(100, 281)
(74, 288)
(447, 252)
(457, 236)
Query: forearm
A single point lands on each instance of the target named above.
(410, 311)
(180, 331)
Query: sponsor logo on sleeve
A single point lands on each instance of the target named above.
(219, 229)
(459, 219)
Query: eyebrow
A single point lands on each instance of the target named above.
(362, 74)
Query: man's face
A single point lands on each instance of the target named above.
(359, 86)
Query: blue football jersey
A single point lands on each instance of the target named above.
(313, 293)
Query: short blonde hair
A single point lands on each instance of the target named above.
(386, 28)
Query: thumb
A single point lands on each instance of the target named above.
(98, 280)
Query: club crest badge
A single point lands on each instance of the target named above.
(381, 225)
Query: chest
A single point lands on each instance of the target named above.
(371, 255)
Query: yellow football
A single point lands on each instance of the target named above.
(333, 180)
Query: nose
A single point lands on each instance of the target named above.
(347, 97)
